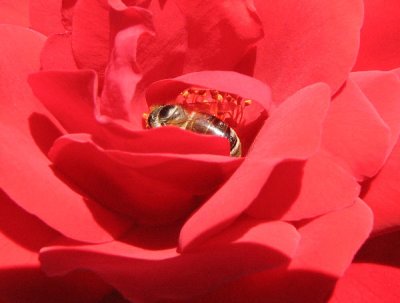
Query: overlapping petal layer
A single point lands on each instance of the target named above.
(327, 247)
(150, 187)
(21, 279)
(375, 274)
(298, 190)
(351, 122)
(292, 132)
(145, 269)
(28, 130)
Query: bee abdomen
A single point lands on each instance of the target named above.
(211, 125)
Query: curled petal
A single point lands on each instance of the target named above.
(75, 108)
(122, 74)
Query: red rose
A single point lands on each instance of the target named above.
(97, 208)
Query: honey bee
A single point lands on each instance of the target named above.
(202, 111)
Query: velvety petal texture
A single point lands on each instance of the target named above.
(57, 53)
(375, 275)
(147, 274)
(355, 150)
(21, 279)
(278, 140)
(122, 74)
(14, 12)
(27, 132)
(305, 42)
(311, 275)
(151, 188)
(196, 38)
(294, 190)
(45, 16)
(380, 45)
(383, 91)
(382, 194)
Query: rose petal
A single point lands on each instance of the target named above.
(379, 46)
(148, 275)
(14, 12)
(368, 283)
(151, 188)
(292, 132)
(122, 73)
(338, 236)
(383, 91)
(195, 38)
(91, 35)
(383, 249)
(294, 190)
(21, 280)
(220, 44)
(26, 128)
(307, 42)
(382, 194)
(327, 247)
(74, 108)
(57, 53)
(67, 13)
(355, 134)
(376, 274)
(45, 16)
(74, 105)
